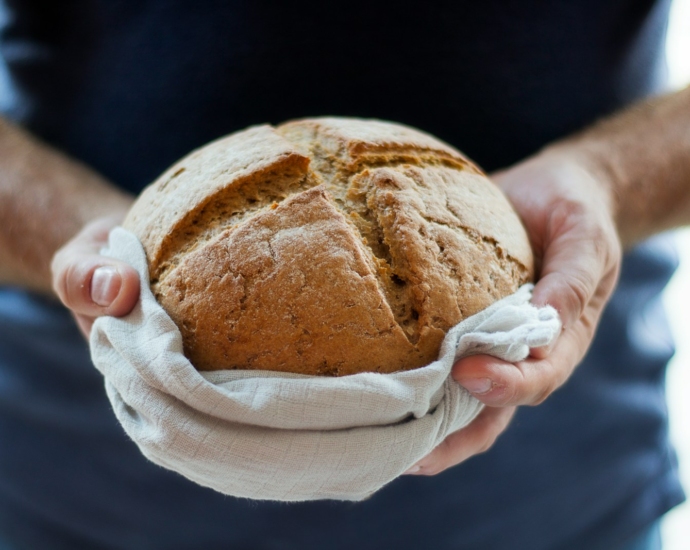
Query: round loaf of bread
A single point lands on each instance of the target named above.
(326, 246)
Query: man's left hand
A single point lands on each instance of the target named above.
(569, 217)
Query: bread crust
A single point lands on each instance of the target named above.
(326, 246)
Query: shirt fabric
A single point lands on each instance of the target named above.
(129, 86)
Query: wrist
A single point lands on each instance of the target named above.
(641, 156)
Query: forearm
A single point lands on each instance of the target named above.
(643, 155)
(45, 199)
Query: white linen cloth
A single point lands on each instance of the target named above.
(287, 437)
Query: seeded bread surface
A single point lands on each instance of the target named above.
(326, 246)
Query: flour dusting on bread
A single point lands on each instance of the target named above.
(326, 246)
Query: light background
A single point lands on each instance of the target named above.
(676, 525)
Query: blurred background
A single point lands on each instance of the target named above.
(676, 525)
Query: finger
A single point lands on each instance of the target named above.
(498, 383)
(548, 293)
(542, 352)
(580, 260)
(90, 284)
(476, 438)
(93, 285)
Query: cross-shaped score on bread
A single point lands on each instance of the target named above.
(326, 246)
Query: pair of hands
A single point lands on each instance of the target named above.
(569, 217)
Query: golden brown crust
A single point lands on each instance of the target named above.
(326, 246)
(220, 180)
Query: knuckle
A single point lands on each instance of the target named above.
(570, 293)
(510, 389)
(517, 389)
(511, 394)
(579, 288)
(568, 211)
(541, 396)
(487, 444)
(547, 385)
(606, 246)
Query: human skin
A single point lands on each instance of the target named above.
(581, 200)
(46, 199)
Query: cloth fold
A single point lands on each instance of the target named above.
(289, 437)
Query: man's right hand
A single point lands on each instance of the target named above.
(90, 284)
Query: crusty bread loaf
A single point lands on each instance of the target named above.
(326, 246)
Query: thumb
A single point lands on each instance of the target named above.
(90, 284)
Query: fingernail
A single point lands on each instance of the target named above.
(412, 470)
(105, 285)
(478, 386)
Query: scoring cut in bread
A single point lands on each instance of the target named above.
(326, 246)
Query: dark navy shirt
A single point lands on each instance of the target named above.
(129, 86)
